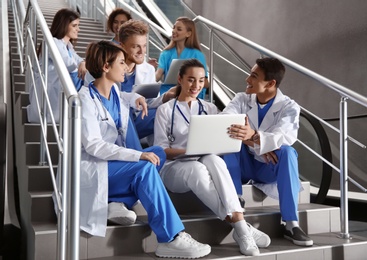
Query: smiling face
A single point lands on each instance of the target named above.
(180, 32)
(73, 30)
(115, 72)
(118, 21)
(256, 84)
(192, 82)
(136, 47)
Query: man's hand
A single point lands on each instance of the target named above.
(142, 105)
(270, 157)
(151, 157)
(171, 93)
(241, 132)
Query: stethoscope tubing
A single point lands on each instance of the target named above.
(171, 137)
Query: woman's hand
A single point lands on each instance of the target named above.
(151, 157)
(82, 70)
(142, 105)
(153, 62)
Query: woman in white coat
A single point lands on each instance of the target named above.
(64, 29)
(115, 171)
(207, 177)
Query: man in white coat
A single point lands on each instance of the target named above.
(266, 156)
(133, 38)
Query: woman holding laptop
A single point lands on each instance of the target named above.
(208, 176)
(184, 44)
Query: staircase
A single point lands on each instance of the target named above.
(38, 219)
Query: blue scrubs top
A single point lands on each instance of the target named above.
(166, 57)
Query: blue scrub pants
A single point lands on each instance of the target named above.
(130, 181)
(243, 167)
(145, 127)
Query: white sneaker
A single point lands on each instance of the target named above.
(119, 214)
(183, 246)
(247, 244)
(261, 239)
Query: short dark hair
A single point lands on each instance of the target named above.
(113, 15)
(100, 53)
(273, 69)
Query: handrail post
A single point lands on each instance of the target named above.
(62, 180)
(74, 176)
(43, 102)
(211, 64)
(344, 168)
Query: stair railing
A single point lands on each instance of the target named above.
(4, 88)
(67, 188)
(346, 94)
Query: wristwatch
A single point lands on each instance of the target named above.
(255, 137)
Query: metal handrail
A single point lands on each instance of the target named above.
(343, 91)
(323, 80)
(67, 193)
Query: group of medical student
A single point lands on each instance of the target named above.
(116, 171)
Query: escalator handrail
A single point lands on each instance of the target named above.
(325, 153)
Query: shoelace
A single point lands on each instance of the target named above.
(249, 241)
(188, 238)
(255, 233)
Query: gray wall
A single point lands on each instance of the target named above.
(326, 36)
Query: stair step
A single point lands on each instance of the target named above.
(33, 153)
(206, 228)
(39, 179)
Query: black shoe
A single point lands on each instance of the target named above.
(242, 202)
(298, 237)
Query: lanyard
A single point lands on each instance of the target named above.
(171, 137)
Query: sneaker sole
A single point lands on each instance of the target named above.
(122, 221)
(183, 256)
(299, 243)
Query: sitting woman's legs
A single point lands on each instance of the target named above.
(130, 181)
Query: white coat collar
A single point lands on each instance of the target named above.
(269, 117)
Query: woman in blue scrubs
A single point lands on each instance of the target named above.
(184, 45)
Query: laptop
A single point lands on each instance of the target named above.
(171, 77)
(208, 135)
(149, 90)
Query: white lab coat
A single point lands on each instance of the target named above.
(54, 87)
(144, 74)
(279, 126)
(99, 138)
(163, 122)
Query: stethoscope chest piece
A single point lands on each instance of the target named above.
(171, 138)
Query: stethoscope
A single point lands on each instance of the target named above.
(94, 92)
(171, 137)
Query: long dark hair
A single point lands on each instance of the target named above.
(60, 25)
(190, 63)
